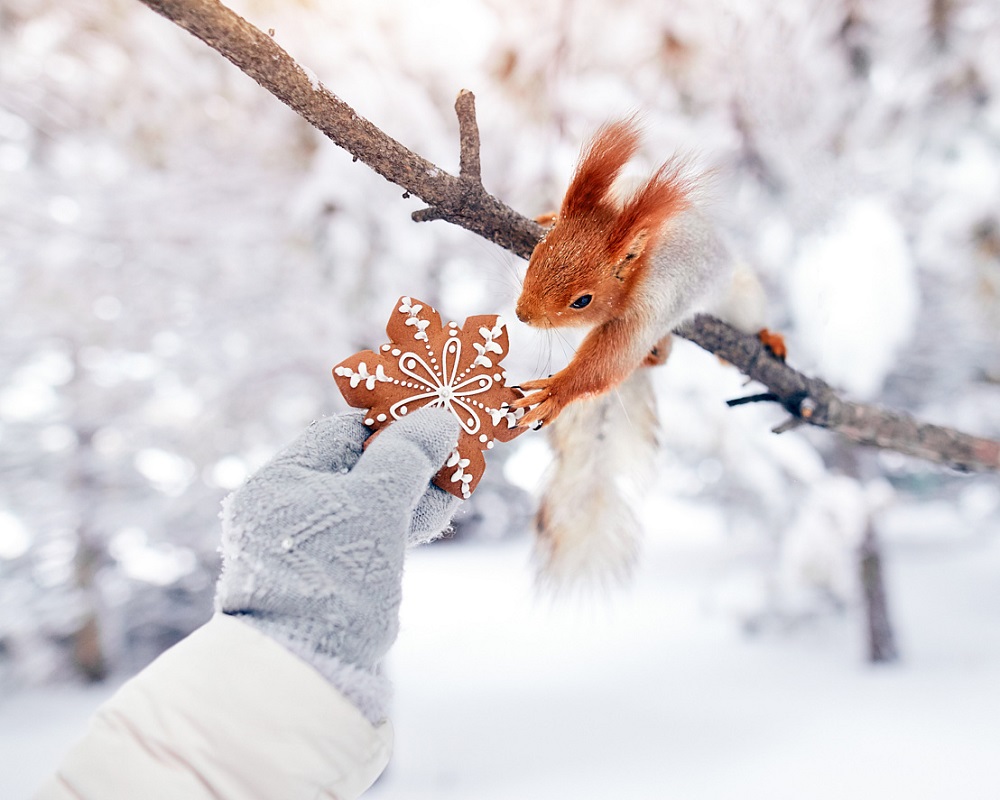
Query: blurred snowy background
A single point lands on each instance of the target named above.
(182, 260)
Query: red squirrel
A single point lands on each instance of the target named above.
(630, 269)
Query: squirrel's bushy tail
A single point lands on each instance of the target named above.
(588, 532)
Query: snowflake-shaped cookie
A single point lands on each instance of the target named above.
(427, 363)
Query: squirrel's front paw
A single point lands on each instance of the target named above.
(543, 401)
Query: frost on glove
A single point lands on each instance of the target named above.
(313, 543)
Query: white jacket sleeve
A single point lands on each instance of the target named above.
(226, 713)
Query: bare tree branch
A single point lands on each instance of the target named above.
(461, 200)
(464, 201)
(812, 400)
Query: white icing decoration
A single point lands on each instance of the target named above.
(512, 418)
(488, 345)
(362, 374)
(460, 475)
(406, 306)
(454, 378)
(443, 384)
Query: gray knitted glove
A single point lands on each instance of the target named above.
(313, 543)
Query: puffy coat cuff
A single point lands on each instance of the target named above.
(227, 712)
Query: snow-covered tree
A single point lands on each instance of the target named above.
(182, 260)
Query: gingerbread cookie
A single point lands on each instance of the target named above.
(452, 367)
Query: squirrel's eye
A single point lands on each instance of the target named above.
(582, 301)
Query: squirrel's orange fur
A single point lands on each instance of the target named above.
(631, 268)
(593, 268)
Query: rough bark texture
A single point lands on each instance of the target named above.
(462, 200)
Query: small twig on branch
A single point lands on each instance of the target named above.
(469, 175)
(789, 424)
(812, 400)
(468, 138)
(464, 201)
(766, 397)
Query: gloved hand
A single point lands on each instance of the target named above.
(313, 543)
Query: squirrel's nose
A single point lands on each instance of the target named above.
(521, 315)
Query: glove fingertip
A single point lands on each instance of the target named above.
(432, 516)
(434, 430)
(328, 444)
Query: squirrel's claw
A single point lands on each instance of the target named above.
(541, 385)
(541, 415)
(542, 402)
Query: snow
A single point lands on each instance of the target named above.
(654, 691)
(314, 81)
(15, 539)
(855, 297)
(182, 262)
(655, 694)
(167, 471)
(37, 727)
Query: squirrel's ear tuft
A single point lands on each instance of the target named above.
(603, 158)
(642, 216)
